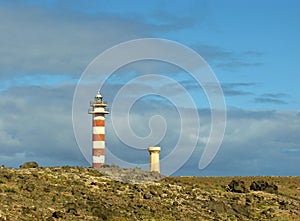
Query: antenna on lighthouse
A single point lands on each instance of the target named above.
(98, 110)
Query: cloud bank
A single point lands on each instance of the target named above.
(38, 126)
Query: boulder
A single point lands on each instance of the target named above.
(262, 185)
(237, 186)
(29, 165)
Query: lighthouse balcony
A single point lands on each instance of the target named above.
(98, 103)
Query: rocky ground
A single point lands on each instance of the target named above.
(76, 193)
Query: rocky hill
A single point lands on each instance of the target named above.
(76, 193)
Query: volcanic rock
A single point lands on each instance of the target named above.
(29, 165)
(237, 186)
(262, 185)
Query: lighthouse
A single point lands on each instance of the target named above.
(98, 110)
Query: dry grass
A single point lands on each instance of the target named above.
(287, 185)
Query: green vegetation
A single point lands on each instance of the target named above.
(9, 190)
(222, 188)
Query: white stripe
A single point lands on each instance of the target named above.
(98, 159)
(99, 109)
(98, 144)
(97, 117)
(98, 130)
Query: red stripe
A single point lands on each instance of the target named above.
(98, 137)
(98, 123)
(98, 152)
(97, 165)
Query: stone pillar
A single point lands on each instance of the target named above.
(154, 159)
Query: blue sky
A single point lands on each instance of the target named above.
(252, 47)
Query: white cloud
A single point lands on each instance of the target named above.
(8, 139)
(36, 124)
(36, 39)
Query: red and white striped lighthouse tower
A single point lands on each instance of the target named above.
(98, 109)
